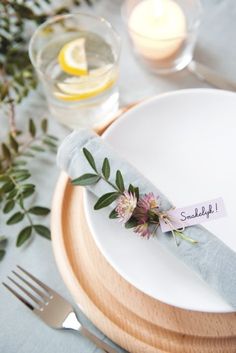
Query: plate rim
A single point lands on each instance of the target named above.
(104, 135)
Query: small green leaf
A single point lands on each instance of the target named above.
(17, 163)
(90, 159)
(131, 223)
(43, 231)
(15, 171)
(40, 211)
(16, 218)
(22, 176)
(86, 179)
(27, 193)
(6, 151)
(2, 254)
(28, 154)
(4, 91)
(120, 181)
(12, 194)
(49, 143)
(3, 242)
(32, 127)
(27, 186)
(37, 148)
(105, 200)
(14, 144)
(3, 239)
(4, 178)
(134, 191)
(113, 214)
(51, 137)
(23, 236)
(7, 187)
(44, 125)
(106, 169)
(9, 206)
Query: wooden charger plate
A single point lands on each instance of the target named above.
(130, 318)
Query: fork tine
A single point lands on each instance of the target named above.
(38, 291)
(18, 296)
(31, 296)
(46, 288)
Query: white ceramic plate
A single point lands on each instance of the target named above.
(185, 143)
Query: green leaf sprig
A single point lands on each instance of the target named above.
(92, 178)
(15, 188)
(144, 220)
(17, 79)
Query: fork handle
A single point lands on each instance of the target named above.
(72, 322)
(97, 341)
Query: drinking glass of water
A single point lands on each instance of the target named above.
(76, 58)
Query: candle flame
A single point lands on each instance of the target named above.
(158, 8)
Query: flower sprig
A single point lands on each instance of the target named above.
(138, 212)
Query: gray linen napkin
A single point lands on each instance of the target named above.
(210, 258)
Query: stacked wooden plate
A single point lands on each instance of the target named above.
(137, 321)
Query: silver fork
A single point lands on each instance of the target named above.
(51, 308)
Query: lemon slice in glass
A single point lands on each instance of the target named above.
(96, 82)
(72, 58)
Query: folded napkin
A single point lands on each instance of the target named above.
(210, 258)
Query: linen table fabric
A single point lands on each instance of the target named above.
(210, 258)
(21, 332)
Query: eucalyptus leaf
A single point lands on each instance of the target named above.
(27, 186)
(4, 178)
(86, 179)
(9, 206)
(120, 181)
(14, 144)
(40, 211)
(37, 148)
(105, 200)
(131, 223)
(2, 254)
(8, 186)
(28, 154)
(54, 138)
(12, 194)
(27, 193)
(44, 125)
(15, 218)
(134, 191)
(90, 159)
(113, 214)
(43, 231)
(49, 143)
(6, 151)
(32, 128)
(18, 163)
(22, 176)
(2, 238)
(23, 236)
(106, 169)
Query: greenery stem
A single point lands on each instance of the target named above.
(111, 184)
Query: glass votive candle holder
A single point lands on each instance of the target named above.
(163, 32)
(76, 58)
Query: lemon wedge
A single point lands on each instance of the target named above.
(72, 58)
(96, 82)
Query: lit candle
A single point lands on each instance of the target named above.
(158, 28)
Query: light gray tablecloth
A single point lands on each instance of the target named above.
(20, 331)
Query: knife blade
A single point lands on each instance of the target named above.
(210, 76)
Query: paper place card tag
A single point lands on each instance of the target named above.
(195, 214)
